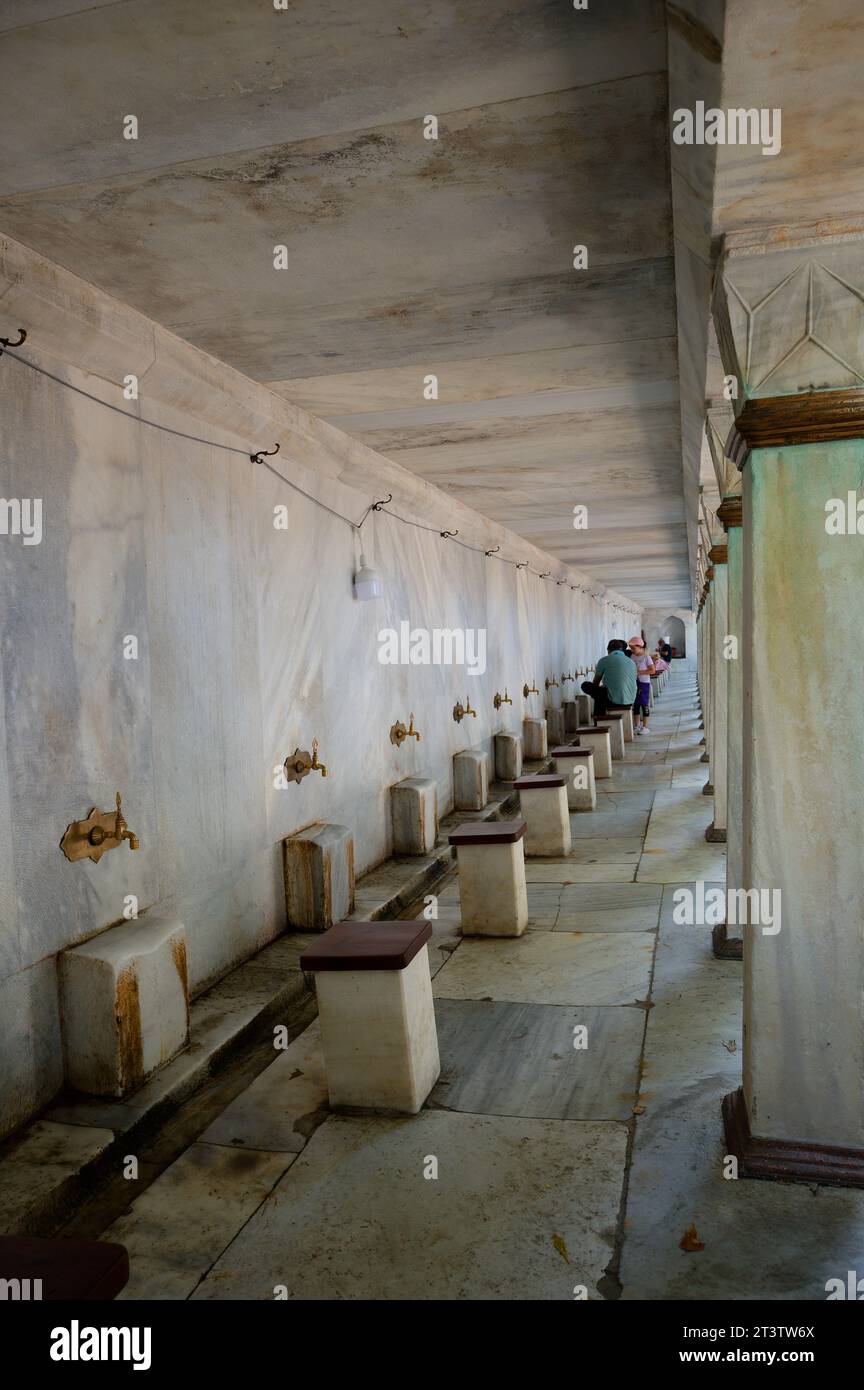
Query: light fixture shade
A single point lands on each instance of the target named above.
(367, 584)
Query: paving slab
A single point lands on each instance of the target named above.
(520, 1059)
(551, 968)
(521, 1209)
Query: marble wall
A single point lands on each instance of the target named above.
(250, 643)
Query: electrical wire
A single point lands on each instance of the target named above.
(263, 462)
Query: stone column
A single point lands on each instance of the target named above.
(729, 946)
(708, 672)
(789, 308)
(716, 831)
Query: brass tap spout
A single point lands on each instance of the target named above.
(315, 766)
(565, 677)
(468, 709)
(121, 831)
(500, 700)
(549, 683)
(411, 732)
(529, 690)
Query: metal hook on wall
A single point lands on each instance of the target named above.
(492, 552)
(7, 342)
(262, 454)
(376, 506)
(447, 535)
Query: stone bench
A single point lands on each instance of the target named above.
(535, 743)
(554, 725)
(508, 757)
(125, 1005)
(597, 737)
(414, 815)
(577, 765)
(547, 819)
(570, 710)
(470, 780)
(319, 876)
(376, 1014)
(626, 712)
(60, 1269)
(615, 724)
(492, 889)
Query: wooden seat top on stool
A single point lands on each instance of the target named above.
(488, 832)
(367, 946)
(540, 782)
(590, 729)
(569, 751)
(91, 1270)
(609, 715)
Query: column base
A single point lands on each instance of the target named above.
(724, 946)
(714, 835)
(786, 1160)
(705, 758)
(701, 741)
(708, 789)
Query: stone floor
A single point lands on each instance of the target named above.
(557, 1170)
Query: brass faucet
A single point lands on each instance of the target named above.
(399, 733)
(565, 677)
(548, 683)
(299, 764)
(121, 831)
(460, 711)
(500, 700)
(529, 690)
(101, 831)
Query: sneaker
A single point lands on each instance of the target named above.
(638, 729)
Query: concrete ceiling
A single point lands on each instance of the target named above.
(406, 257)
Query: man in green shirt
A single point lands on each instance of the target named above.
(614, 680)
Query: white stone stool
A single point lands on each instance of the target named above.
(470, 780)
(615, 724)
(577, 765)
(319, 876)
(534, 739)
(125, 1004)
(492, 889)
(547, 819)
(377, 1019)
(626, 712)
(508, 757)
(597, 737)
(414, 815)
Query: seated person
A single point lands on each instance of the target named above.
(660, 664)
(614, 680)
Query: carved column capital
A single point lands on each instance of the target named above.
(788, 305)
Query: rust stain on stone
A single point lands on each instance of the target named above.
(178, 951)
(127, 1016)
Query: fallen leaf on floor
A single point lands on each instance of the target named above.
(558, 1242)
(690, 1240)
(731, 1045)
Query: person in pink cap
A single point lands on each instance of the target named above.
(644, 671)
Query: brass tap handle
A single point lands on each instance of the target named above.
(458, 712)
(121, 830)
(315, 766)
